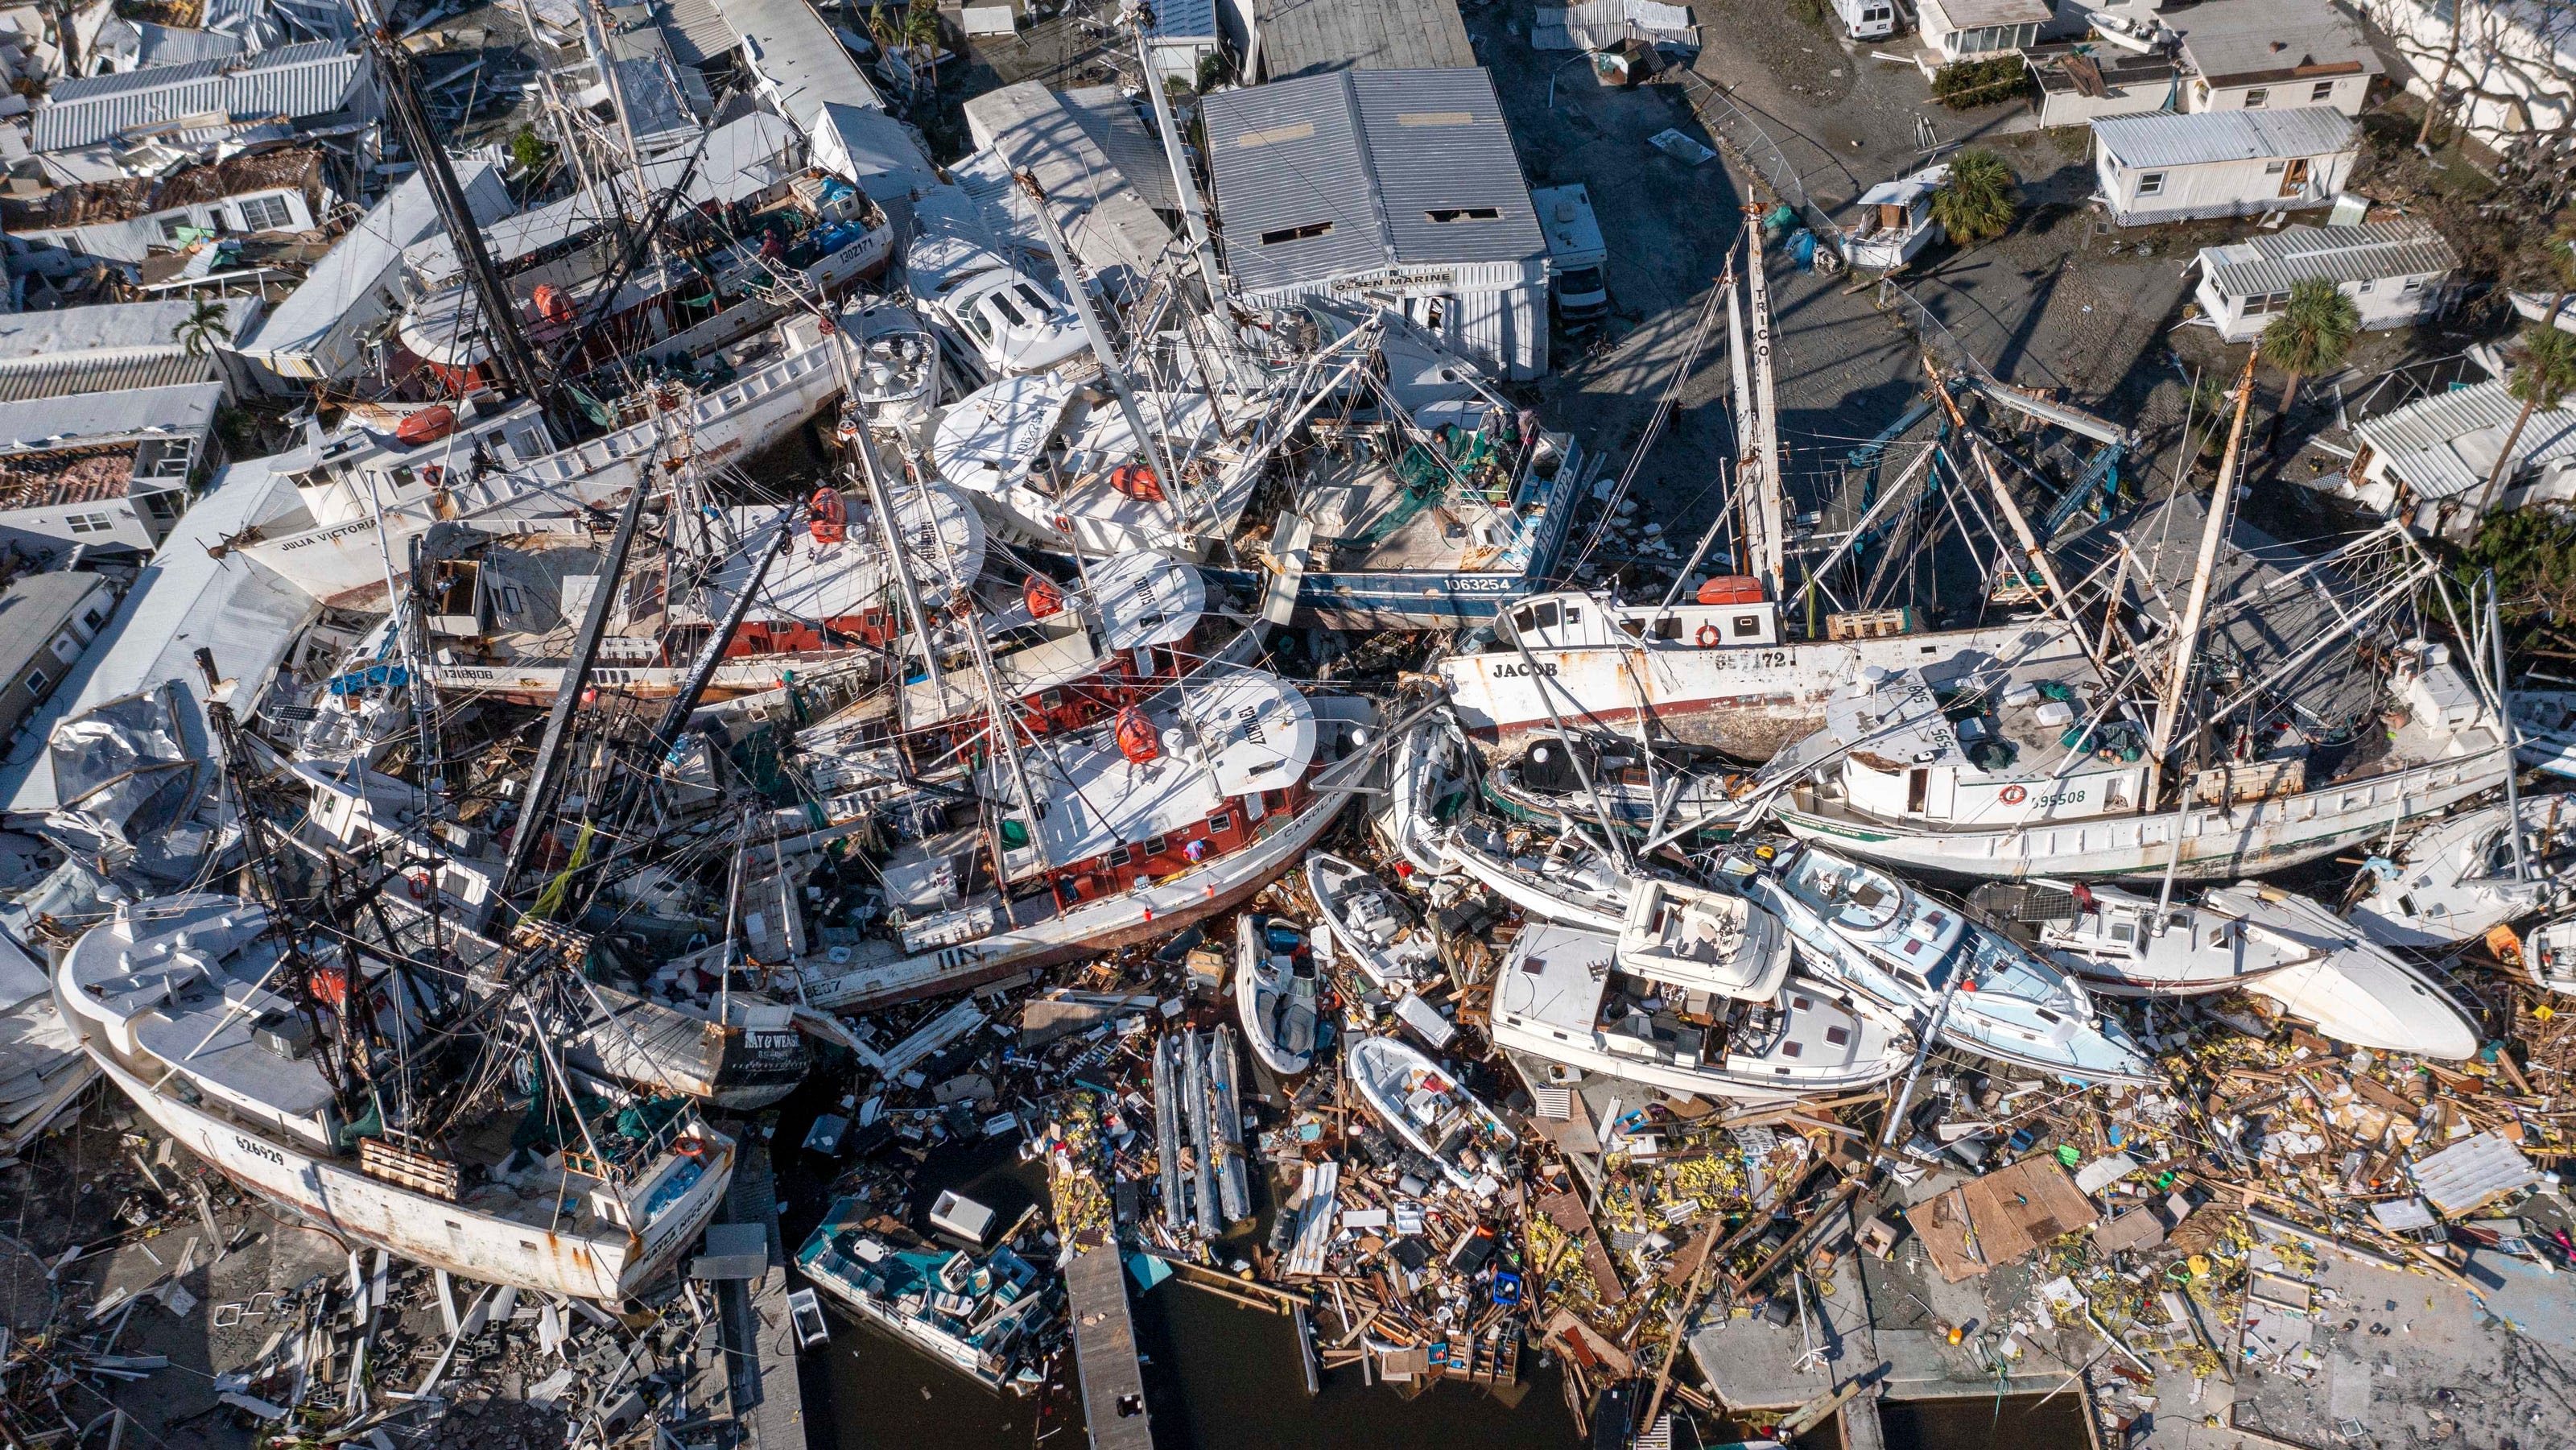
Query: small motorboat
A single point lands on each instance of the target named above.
(1429, 776)
(1359, 917)
(1421, 1103)
(2458, 878)
(1275, 988)
(2549, 954)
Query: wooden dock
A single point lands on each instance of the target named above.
(765, 1394)
(1104, 1349)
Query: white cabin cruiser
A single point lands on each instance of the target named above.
(1014, 326)
(1864, 929)
(1567, 995)
(2457, 878)
(1705, 941)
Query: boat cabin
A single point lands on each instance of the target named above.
(1730, 613)
(2041, 750)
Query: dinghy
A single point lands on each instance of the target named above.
(1360, 918)
(1275, 990)
(1421, 1103)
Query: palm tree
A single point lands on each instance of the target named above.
(2311, 336)
(1976, 199)
(2546, 377)
(206, 324)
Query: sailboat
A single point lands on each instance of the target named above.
(2257, 938)
(1723, 668)
(1867, 931)
(2455, 879)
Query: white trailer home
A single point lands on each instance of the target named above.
(2397, 273)
(2170, 168)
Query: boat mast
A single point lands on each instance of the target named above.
(2058, 600)
(2186, 643)
(510, 351)
(891, 540)
(1765, 511)
(1147, 441)
(1193, 208)
(545, 775)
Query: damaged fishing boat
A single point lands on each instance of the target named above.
(981, 1316)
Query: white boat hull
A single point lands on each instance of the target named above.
(1749, 701)
(344, 564)
(424, 1229)
(1518, 889)
(2255, 837)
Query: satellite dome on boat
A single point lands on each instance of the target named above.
(1146, 599)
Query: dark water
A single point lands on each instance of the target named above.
(2022, 1422)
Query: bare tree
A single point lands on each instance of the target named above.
(2450, 58)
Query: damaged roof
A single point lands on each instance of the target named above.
(311, 79)
(2446, 445)
(2272, 261)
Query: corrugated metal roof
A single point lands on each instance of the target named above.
(311, 79)
(1981, 14)
(162, 45)
(1317, 37)
(100, 373)
(697, 31)
(69, 422)
(2271, 261)
(2208, 137)
(1106, 220)
(1326, 176)
(1127, 139)
(82, 88)
(104, 326)
(1448, 179)
(2447, 444)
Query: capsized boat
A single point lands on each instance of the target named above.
(1275, 991)
(981, 1316)
(1863, 928)
(1363, 919)
(1703, 941)
(2456, 878)
(1423, 1104)
(202, 1010)
(1567, 995)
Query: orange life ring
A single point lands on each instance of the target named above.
(418, 884)
(1708, 636)
(2014, 795)
(690, 1147)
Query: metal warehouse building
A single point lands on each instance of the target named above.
(1398, 185)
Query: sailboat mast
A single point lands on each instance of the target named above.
(891, 540)
(1147, 441)
(2196, 604)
